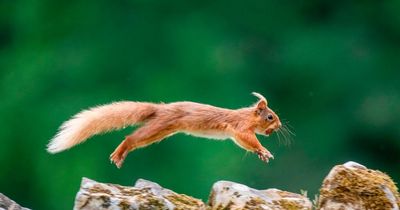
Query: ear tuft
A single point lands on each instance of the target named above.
(262, 99)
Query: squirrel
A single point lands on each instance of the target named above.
(159, 121)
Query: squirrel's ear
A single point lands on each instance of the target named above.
(263, 103)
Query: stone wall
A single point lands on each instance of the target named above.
(347, 186)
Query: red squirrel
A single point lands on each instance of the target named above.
(159, 121)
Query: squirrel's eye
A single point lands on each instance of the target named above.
(270, 117)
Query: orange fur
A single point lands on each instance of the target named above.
(162, 120)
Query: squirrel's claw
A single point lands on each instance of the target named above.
(119, 155)
(264, 155)
(118, 160)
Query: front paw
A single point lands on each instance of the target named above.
(264, 155)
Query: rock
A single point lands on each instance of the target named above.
(179, 201)
(230, 195)
(145, 195)
(353, 186)
(6, 203)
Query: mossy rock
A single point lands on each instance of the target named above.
(230, 195)
(353, 186)
(144, 195)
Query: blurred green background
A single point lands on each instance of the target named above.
(329, 68)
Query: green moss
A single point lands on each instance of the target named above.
(288, 205)
(254, 203)
(131, 191)
(182, 201)
(148, 200)
(229, 206)
(155, 202)
(124, 205)
(98, 189)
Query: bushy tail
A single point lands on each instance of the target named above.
(99, 120)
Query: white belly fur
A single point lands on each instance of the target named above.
(209, 134)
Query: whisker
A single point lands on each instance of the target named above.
(279, 137)
(288, 124)
(245, 155)
(284, 135)
(289, 131)
(289, 137)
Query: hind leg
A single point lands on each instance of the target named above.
(143, 136)
(119, 154)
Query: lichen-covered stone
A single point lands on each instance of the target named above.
(144, 195)
(180, 201)
(230, 195)
(353, 186)
(6, 203)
